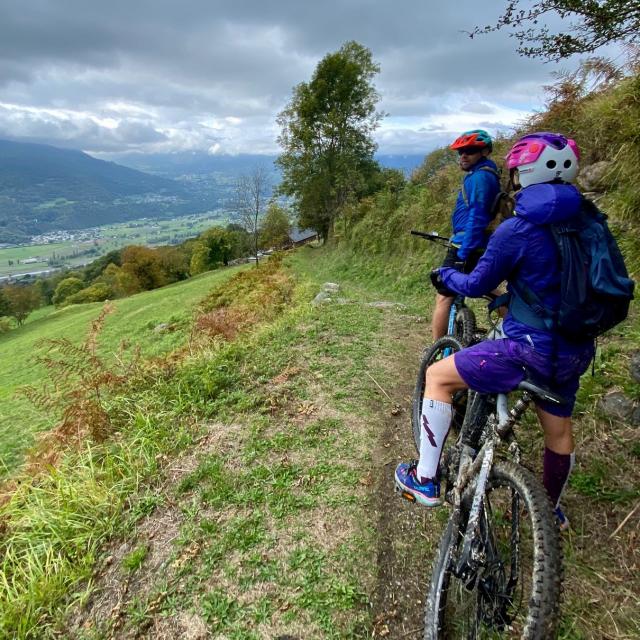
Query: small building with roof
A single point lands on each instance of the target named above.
(298, 237)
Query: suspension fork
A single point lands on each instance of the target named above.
(498, 427)
(466, 561)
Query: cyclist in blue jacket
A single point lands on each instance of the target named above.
(471, 215)
(523, 252)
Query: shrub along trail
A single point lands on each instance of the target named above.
(247, 491)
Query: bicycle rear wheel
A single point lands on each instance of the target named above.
(513, 590)
(440, 349)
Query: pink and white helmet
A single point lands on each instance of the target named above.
(544, 157)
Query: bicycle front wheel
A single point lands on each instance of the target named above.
(440, 349)
(512, 588)
(464, 328)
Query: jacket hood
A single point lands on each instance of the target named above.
(548, 202)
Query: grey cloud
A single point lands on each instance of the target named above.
(477, 107)
(431, 128)
(76, 132)
(182, 63)
(400, 140)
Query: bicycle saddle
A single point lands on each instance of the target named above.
(541, 392)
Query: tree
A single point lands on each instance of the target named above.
(218, 242)
(595, 24)
(174, 262)
(326, 136)
(274, 231)
(239, 240)
(121, 283)
(66, 288)
(199, 259)
(97, 292)
(144, 265)
(211, 249)
(251, 197)
(22, 301)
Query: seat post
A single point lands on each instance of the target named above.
(515, 413)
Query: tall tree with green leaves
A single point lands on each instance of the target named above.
(274, 231)
(5, 308)
(326, 136)
(590, 24)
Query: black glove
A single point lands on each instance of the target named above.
(436, 281)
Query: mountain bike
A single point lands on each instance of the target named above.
(499, 565)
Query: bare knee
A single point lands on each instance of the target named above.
(442, 380)
(443, 303)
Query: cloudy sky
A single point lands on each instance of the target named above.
(211, 75)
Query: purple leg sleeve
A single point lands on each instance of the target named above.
(555, 474)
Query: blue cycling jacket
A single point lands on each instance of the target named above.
(469, 222)
(523, 250)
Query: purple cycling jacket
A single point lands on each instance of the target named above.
(523, 250)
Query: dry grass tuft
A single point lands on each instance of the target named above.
(224, 322)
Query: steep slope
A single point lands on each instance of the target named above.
(44, 188)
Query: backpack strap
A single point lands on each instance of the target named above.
(526, 306)
(496, 173)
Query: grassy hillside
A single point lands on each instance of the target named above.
(246, 490)
(132, 325)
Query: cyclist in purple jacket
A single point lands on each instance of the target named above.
(522, 251)
(471, 215)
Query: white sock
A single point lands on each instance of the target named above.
(436, 420)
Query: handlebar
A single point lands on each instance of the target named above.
(433, 236)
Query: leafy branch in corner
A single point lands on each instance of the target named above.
(593, 24)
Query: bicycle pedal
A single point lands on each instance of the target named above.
(407, 496)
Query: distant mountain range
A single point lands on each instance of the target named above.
(175, 165)
(44, 188)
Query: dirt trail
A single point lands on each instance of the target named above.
(407, 534)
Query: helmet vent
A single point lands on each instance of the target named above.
(551, 164)
(567, 164)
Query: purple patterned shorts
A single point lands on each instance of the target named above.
(498, 366)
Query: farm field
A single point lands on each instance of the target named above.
(92, 243)
(134, 319)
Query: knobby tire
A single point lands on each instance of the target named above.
(465, 326)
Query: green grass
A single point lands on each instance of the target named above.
(133, 323)
(275, 531)
(133, 560)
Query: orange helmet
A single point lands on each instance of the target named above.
(475, 138)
